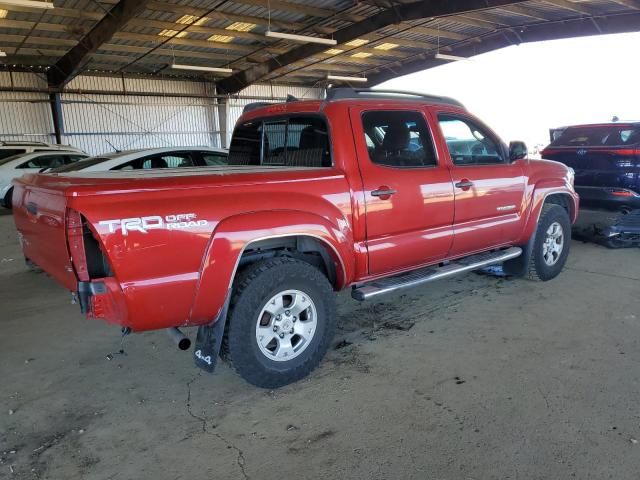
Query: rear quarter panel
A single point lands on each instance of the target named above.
(181, 276)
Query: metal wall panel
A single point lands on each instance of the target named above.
(100, 123)
(171, 113)
(25, 116)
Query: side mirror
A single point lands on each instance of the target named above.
(517, 150)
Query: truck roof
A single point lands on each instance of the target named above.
(345, 94)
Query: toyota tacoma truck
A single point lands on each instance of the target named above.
(369, 190)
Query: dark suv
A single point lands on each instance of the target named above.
(606, 160)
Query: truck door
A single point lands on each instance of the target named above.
(407, 189)
(489, 189)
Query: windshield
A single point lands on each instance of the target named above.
(598, 135)
(80, 165)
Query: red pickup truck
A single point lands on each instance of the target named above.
(374, 191)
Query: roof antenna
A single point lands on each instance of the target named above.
(112, 146)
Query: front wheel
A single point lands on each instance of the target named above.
(281, 322)
(551, 246)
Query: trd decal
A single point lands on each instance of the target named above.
(179, 221)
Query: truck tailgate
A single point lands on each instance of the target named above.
(40, 219)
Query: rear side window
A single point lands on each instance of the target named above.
(292, 142)
(398, 139)
(80, 164)
(598, 135)
(212, 159)
(9, 152)
(166, 160)
(44, 161)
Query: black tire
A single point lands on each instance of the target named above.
(254, 287)
(538, 268)
(7, 200)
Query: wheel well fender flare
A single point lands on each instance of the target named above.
(549, 191)
(231, 239)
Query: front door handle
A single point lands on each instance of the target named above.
(464, 184)
(383, 192)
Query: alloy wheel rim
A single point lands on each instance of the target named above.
(553, 244)
(286, 325)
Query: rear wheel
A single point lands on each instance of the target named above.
(281, 322)
(551, 246)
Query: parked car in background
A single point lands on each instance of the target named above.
(369, 190)
(11, 148)
(17, 165)
(606, 161)
(150, 158)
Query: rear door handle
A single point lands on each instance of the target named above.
(383, 192)
(464, 184)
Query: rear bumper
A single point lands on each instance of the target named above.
(608, 197)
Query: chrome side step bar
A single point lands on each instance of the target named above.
(430, 274)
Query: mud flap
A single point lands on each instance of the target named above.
(209, 341)
(518, 267)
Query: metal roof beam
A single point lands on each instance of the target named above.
(390, 16)
(578, 27)
(71, 63)
(575, 7)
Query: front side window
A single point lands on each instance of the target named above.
(292, 142)
(468, 143)
(398, 139)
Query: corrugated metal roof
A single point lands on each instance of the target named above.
(64, 25)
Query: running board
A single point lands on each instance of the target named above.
(430, 274)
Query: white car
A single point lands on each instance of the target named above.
(9, 148)
(17, 165)
(170, 157)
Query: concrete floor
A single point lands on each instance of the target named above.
(474, 378)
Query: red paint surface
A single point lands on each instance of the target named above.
(167, 278)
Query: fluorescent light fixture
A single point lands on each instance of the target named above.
(28, 3)
(300, 38)
(340, 78)
(3, 54)
(201, 69)
(452, 58)
(362, 55)
(3, 13)
(334, 51)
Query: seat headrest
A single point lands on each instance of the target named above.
(311, 138)
(397, 137)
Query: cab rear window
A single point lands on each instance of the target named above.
(298, 141)
(598, 135)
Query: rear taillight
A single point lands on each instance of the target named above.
(75, 240)
(622, 192)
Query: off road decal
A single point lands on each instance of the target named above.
(179, 221)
